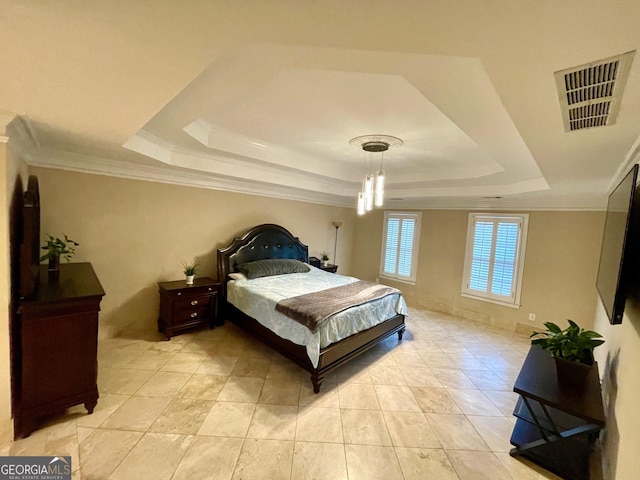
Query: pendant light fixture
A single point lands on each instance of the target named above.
(373, 184)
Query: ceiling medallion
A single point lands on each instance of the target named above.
(376, 139)
(373, 184)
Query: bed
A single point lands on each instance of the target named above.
(318, 352)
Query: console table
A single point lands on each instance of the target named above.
(556, 424)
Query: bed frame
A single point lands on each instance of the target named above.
(273, 241)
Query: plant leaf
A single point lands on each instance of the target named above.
(553, 327)
(591, 334)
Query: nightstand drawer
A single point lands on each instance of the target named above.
(192, 291)
(191, 315)
(189, 303)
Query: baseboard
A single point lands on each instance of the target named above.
(480, 317)
(524, 328)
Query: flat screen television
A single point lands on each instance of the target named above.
(616, 259)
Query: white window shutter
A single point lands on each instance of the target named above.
(495, 257)
(505, 259)
(399, 247)
(392, 244)
(481, 260)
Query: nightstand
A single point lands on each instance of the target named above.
(329, 268)
(185, 306)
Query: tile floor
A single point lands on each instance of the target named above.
(216, 404)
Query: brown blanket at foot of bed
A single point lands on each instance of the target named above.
(312, 309)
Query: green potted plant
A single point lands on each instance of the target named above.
(324, 256)
(56, 248)
(571, 348)
(190, 271)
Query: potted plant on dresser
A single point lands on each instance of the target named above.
(56, 248)
(571, 348)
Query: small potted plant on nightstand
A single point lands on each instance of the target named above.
(571, 348)
(56, 248)
(324, 256)
(190, 271)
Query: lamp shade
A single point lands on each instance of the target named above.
(368, 192)
(379, 190)
(362, 209)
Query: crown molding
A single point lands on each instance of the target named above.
(69, 161)
(256, 170)
(26, 144)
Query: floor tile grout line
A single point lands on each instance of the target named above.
(192, 373)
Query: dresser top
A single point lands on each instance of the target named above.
(76, 280)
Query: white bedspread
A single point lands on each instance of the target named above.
(258, 298)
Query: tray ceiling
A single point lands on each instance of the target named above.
(266, 100)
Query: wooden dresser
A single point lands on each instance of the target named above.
(55, 361)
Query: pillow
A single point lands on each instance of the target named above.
(275, 266)
(237, 276)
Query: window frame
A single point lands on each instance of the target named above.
(514, 300)
(414, 249)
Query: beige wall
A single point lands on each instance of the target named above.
(619, 365)
(137, 233)
(6, 431)
(619, 361)
(560, 268)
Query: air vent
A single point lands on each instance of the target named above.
(590, 94)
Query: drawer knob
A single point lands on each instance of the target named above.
(209, 288)
(194, 302)
(194, 314)
(179, 293)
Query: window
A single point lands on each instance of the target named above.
(494, 257)
(400, 236)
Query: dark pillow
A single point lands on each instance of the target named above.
(276, 266)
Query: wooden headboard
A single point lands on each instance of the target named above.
(259, 243)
